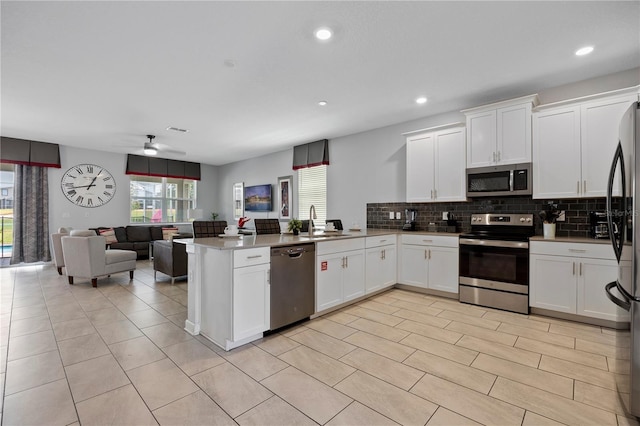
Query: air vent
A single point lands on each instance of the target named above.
(177, 129)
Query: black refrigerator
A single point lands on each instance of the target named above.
(624, 230)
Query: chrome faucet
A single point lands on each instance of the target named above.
(312, 215)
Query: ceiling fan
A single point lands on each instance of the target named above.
(152, 148)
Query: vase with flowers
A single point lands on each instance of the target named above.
(294, 226)
(549, 215)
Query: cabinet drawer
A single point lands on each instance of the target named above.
(325, 247)
(381, 240)
(596, 251)
(249, 257)
(431, 240)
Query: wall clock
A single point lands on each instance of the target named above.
(88, 185)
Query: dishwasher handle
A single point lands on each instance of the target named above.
(293, 253)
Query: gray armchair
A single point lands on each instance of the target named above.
(86, 256)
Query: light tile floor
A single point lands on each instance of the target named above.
(118, 355)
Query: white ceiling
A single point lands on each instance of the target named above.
(102, 75)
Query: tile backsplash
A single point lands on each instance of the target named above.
(575, 225)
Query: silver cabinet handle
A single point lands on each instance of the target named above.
(268, 276)
(384, 254)
(425, 254)
(432, 194)
(346, 261)
(429, 254)
(577, 251)
(574, 268)
(254, 257)
(584, 187)
(381, 254)
(580, 273)
(427, 241)
(383, 241)
(578, 187)
(435, 193)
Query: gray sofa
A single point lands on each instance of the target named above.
(137, 238)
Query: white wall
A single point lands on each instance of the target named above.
(116, 212)
(370, 167)
(365, 167)
(255, 171)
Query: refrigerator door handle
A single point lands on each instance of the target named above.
(624, 304)
(617, 233)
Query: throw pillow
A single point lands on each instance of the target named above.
(167, 233)
(109, 234)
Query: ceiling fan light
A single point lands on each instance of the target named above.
(150, 150)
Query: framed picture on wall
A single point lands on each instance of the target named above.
(238, 200)
(285, 197)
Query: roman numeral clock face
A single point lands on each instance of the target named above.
(88, 185)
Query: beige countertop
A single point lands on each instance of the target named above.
(275, 240)
(571, 240)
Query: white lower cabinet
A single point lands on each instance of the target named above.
(235, 288)
(381, 263)
(570, 278)
(251, 302)
(430, 262)
(340, 272)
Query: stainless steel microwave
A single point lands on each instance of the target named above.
(510, 179)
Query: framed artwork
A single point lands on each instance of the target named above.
(238, 200)
(285, 197)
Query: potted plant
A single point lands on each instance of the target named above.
(214, 215)
(294, 226)
(549, 216)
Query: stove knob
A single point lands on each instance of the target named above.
(528, 220)
(522, 219)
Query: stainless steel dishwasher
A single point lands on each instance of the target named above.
(293, 294)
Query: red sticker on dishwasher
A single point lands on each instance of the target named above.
(323, 265)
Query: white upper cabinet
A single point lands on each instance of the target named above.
(436, 164)
(500, 133)
(574, 142)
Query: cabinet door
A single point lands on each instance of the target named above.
(420, 163)
(251, 301)
(353, 275)
(481, 139)
(514, 134)
(556, 154)
(552, 283)
(329, 281)
(450, 166)
(443, 269)
(600, 122)
(592, 301)
(414, 265)
(381, 266)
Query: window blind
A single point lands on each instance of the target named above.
(312, 190)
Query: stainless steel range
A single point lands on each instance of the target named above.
(494, 261)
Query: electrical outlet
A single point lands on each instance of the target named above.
(561, 217)
(390, 215)
(445, 215)
(398, 215)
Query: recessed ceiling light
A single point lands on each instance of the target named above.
(584, 51)
(421, 100)
(322, 103)
(323, 33)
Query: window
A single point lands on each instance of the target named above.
(161, 200)
(312, 190)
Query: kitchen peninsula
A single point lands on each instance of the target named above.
(229, 278)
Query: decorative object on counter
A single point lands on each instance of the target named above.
(294, 226)
(410, 220)
(285, 198)
(549, 216)
(214, 215)
(231, 230)
(337, 223)
(242, 221)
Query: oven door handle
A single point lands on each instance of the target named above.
(494, 243)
